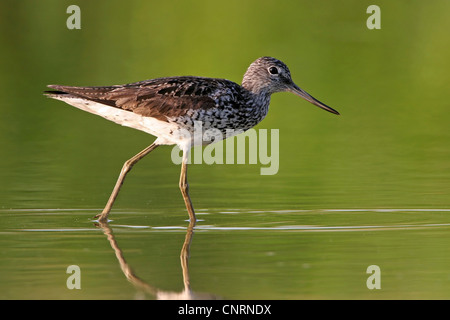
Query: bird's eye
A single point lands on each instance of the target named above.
(273, 70)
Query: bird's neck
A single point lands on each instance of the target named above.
(254, 87)
(259, 94)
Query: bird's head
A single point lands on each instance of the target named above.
(268, 75)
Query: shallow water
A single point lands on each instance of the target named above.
(234, 254)
(370, 187)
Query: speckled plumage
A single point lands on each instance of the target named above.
(170, 108)
(179, 101)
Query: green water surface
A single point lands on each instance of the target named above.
(369, 187)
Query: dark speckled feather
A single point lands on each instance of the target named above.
(170, 109)
(217, 103)
(164, 98)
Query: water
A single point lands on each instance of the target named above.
(233, 254)
(370, 187)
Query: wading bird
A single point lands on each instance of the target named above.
(168, 107)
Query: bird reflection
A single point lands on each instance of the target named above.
(185, 294)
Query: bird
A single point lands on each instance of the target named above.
(169, 107)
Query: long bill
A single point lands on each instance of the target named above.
(305, 95)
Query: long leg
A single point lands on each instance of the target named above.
(103, 217)
(184, 187)
(184, 256)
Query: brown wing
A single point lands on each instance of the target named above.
(159, 98)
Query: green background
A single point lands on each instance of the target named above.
(381, 169)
